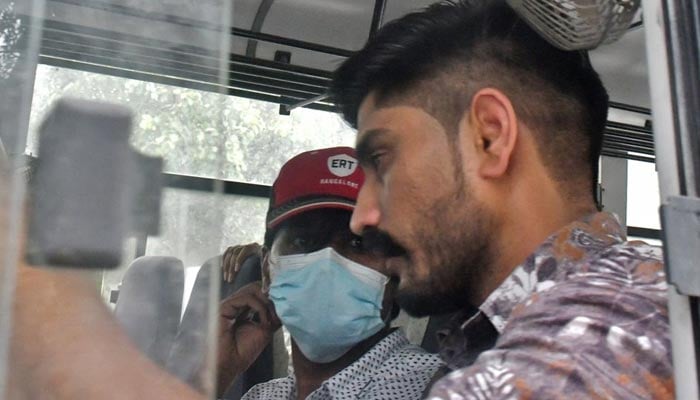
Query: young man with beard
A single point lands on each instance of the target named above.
(480, 143)
(328, 291)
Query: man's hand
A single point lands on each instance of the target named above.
(234, 257)
(66, 345)
(247, 322)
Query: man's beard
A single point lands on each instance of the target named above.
(456, 237)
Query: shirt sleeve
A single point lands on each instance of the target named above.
(597, 336)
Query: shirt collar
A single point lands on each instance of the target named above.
(570, 244)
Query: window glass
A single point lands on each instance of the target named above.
(642, 195)
(90, 190)
(189, 127)
(196, 226)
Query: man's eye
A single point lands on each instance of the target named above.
(376, 160)
(300, 243)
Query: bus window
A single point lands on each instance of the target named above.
(642, 195)
(184, 126)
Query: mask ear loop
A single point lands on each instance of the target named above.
(273, 260)
(272, 265)
(265, 272)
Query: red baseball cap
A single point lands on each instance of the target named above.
(324, 178)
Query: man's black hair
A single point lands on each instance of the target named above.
(439, 57)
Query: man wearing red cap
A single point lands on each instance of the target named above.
(328, 290)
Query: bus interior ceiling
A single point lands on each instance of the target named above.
(282, 50)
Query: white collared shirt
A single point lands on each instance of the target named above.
(392, 369)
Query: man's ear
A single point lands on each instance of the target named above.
(265, 266)
(495, 132)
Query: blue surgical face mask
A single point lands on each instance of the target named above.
(327, 302)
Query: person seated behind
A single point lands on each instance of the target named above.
(331, 293)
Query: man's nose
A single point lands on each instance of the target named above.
(366, 213)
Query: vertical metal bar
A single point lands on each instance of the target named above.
(14, 113)
(226, 19)
(663, 79)
(682, 28)
(377, 17)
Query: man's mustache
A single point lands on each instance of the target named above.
(381, 243)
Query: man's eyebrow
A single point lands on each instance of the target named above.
(367, 143)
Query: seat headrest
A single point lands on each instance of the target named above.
(150, 303)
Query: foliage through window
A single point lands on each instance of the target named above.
(198, 133)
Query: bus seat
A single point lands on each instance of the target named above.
(188, 353)
(150, 303)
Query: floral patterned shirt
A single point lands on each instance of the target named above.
(584, 317)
